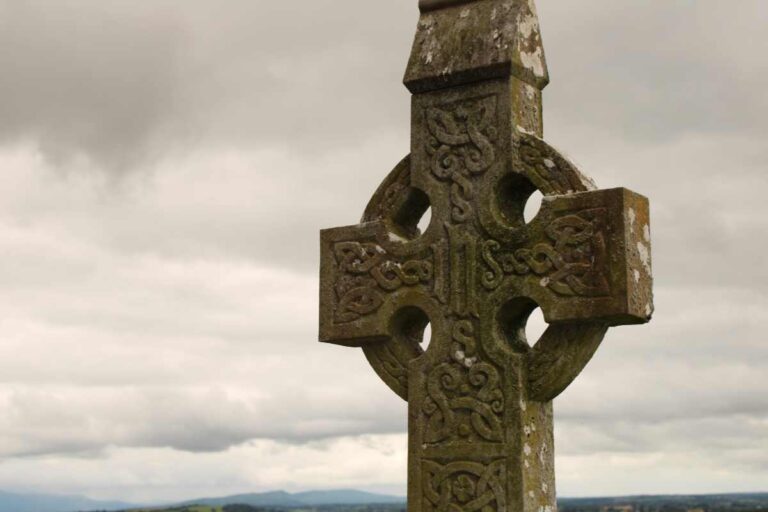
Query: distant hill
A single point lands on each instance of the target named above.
(282, 499)
(348, 500)
(346, 497)
(12, 502)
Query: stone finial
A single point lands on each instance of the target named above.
(465, 41)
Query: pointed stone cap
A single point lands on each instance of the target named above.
(465, 41)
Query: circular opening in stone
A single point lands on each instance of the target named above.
(535, 326)
(521, 323)
(518, 200)
(426, 338)
(426, 220)
(533, 206)
(411, 215)
(412, 326)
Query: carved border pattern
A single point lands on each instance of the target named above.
(464, 486)
(573, 264)
(548, 169)
(386, 206)
(367, 273)
(464, 397)
(461, 144)
(390, 363)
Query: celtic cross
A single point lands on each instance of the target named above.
(480, 396)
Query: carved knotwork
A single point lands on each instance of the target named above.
(464, 486)
(573, 262)
(549, 170)
(366, 274)
(461, 145)
(464, 398)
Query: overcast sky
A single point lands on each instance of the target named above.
(165, 167)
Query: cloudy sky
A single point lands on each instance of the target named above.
(165, 167)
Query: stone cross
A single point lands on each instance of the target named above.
(480, 396)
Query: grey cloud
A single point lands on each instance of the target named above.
(122, 84)
(245, 79)
(85, 422)
(240, 74)
(86, 80)
(727, 435)
(640, 394)
(655, 71)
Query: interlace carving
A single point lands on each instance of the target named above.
(392, 194)
(549, 169)
(461, 145)
(464, 398)
(464, 486)
(573, 264)
(391, 363)
(366, 273)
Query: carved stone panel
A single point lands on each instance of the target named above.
(462, 144)
(464, 399)
(465, 486)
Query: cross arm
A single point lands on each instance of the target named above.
(586, 259)
(362, 274)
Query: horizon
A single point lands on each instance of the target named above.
(403, 497)
(167, 167)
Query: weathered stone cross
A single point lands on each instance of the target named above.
(480, 397)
